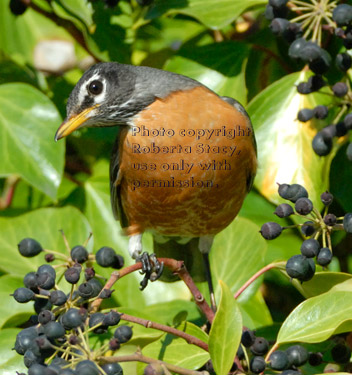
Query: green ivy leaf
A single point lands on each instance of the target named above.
(12, 313)
(284, 143)
(322, 282)
(210, 65)
(177, 351)
(43, 225)
(28, 121)
(19, 35)
(317, 318)
(237, 254)
(215, 14)
(10, 361)
(225, 333)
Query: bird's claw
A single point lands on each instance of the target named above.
(151, 268)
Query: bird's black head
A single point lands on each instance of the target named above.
(110, 94)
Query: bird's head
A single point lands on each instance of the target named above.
(100, 98)
(110, 94)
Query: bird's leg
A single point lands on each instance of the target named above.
(151, 267)
(205, 243)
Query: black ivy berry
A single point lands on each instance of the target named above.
(349, 152)
(324, 256)
(112, 318)
(30, 281)
(248, 338)
(45, 317)
(29, 247)
(257, 364)
(315, 359)
(303, 206)
(17, 7)
(342, 15)
(296, 47)
(340, 129)
(321, 146)
(46, 268)
(328, 133)
(86, 368)
(97, 319)
(270, 230)
(348, 121)
(112, 369)
(330, 219)
(292, 192)
(123, 333)
(304, 88)
(278, 360)
(284, 210)
(57, 297)
(79, 254)
(297, 355)
(54, 330)
(347, 223)
(310, 248)
(326, 198)
(86, 290)
(301, 268)
(107, 257)
(343, 61)
(321, 112)
(341, 353)
(23, 295)
(73, 318)
(305, 114)
(260, 346)
(308, 228)
(72, 275)
(340, 89)
(45, 280)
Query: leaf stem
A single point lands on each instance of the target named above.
(255, 277)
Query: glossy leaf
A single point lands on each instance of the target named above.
(225, 333)
(255, 312)
(237, 254)
(28, 121)
(211, 66)
(321, 282)
(284, 143)
(19, 35)
(44, 226)
(317, 318)
(10, 361)
(172, 349)
(12, 313)
(213, 13)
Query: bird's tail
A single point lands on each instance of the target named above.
(175, 248)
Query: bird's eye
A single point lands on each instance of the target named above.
(95, 87)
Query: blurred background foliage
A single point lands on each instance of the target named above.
(47, 186)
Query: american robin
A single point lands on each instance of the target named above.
(183, 161)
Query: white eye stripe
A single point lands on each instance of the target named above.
(83, 92)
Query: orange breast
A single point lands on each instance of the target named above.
(184, 165)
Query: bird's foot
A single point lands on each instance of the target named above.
(151, 268)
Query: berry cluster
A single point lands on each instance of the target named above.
(57, 340)
(302, 24)
(302, 266)
(255, 351)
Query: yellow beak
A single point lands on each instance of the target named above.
(73, 123)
